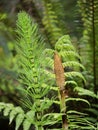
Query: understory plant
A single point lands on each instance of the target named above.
(47, 78)
(7, 62)
(89, 41)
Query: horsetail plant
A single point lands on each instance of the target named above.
(60, 79)
(33, 73)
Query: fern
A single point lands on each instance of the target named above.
(86, 92)
(69, 57)
(13, 113)
(37, 80)
(71, 62)
(89, 12)
(50, 21)
(34, 74)
(88, 50)
(93, 111)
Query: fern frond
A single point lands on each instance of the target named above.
(69, 55)
(66, 49)
(19, 120)
(78, 120)
(70, 58)
(89, 12)
(14, 113)
(50, 22)
(73, 64)
(74, 83)
(75, 74)
(26, 124)
(78, 100)
(52, 118)
(86, 92)
(92, 111)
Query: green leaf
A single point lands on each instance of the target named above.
(14, 112)
(26, 124)
(82, 91)
(73, 63)
(7, 109)
(19, 120)
(78, 100)
(51, 118)
(71, 82)
(75, 74)
(2, 106)
(76, 112)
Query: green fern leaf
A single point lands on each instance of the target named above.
(51, 23)
(76, 112)
(71, 82)
(2, 106)
(69, 55)
(78, 100)
(52, 118)
(14, 112)
(19, 119)
(26, 124)
(94, 111)
(7, 109)
(82, 91)
(75, 74)
(73, 63)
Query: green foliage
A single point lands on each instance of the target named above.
(13, 112)
(36, 80)
(73, 77)
(70, 59)
(32, 65)
(51, 23)
(8, 72)
(89, 51)
(89, 12)
(33, 74)
(79, 121)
